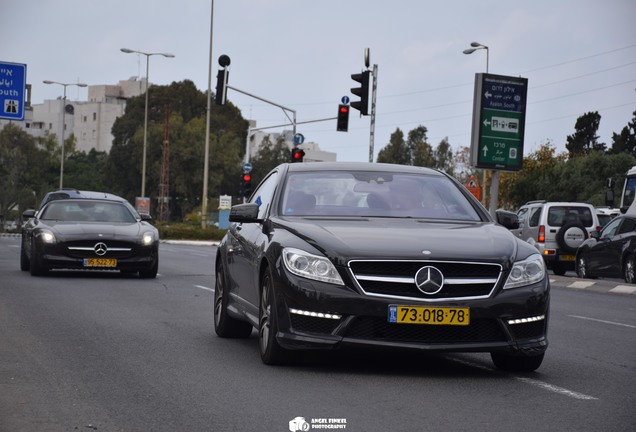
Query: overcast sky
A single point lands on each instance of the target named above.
(578, 56)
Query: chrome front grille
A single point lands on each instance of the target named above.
(396, 279)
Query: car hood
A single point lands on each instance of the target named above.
(67, 231)
(399, 238)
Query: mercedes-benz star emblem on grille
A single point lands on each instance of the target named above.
(429, 280)
(100, 249)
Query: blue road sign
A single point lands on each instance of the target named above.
(299, 139)
(247, 167)
(345, 100)
(12, 90)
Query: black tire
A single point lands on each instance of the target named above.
(629, 270)
(25, 264)
(35, 266)
(271, 351)
(571, 236)
(516, 363)
(150, 273)
(224, 325)
(558, 269)
(581, 267)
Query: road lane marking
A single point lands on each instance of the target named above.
(204, 288)
(581, 284)
(556, 389)
(602, 321)
(623, 289)
(536, 383)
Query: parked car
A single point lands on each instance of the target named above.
(557, 229)
(328, 255)
(88, 234)
(606, 214)
(611, 253)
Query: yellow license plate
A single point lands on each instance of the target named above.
(100, 262)
(429, 315)
(567, 258)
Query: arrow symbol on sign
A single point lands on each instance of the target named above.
(485, 150)
(488, 95)
(486, 122)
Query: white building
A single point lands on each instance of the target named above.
(312, 149)
(89, 121)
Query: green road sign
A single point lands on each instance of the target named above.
(499, 114)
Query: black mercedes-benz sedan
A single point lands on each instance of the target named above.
(328, 255)
(89, 234)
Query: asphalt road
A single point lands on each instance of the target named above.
(97, 351)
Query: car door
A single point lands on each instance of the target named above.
(604, 256)
(251, 241)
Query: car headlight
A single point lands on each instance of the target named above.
(526, 272)
(147, 239)
(46, 236)
(311, 266)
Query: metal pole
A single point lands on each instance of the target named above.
(63, 130)
(204, 199)
(372, 128)
(143, 157)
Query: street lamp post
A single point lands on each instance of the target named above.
(63, 122)
(143, 163)
(474, 47)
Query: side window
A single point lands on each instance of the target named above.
(264, 194)
(610, 229)
(535, 214)
(521, 214)
(628, 225)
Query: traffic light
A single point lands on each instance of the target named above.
(297, 155)
(342, 124)
(221, 80)
(363, 91)
(221, 86)
(246, 184)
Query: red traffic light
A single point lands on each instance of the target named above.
(344, 109)
(297, 155)
(247, 177)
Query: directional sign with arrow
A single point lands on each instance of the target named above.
(499, 113)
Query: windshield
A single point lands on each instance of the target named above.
(87, 211)
(375, 194)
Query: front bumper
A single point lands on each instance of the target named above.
(506, 321)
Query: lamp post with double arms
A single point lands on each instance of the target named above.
(63, 122)
(143, 163)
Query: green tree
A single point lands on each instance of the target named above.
(269, 156)
(421, 152)
(25, 165)
(397, 151)
(444, 159)
(626, 140)
(186, 136)
(584, 139)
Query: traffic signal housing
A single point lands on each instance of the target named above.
(342, 124)
(221, 86)
(246, 184)
(363, 91)
(297, 155)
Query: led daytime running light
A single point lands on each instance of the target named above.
(315, 314)
(527, 320)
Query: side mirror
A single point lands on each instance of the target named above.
(508, 219)
(247, 213)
